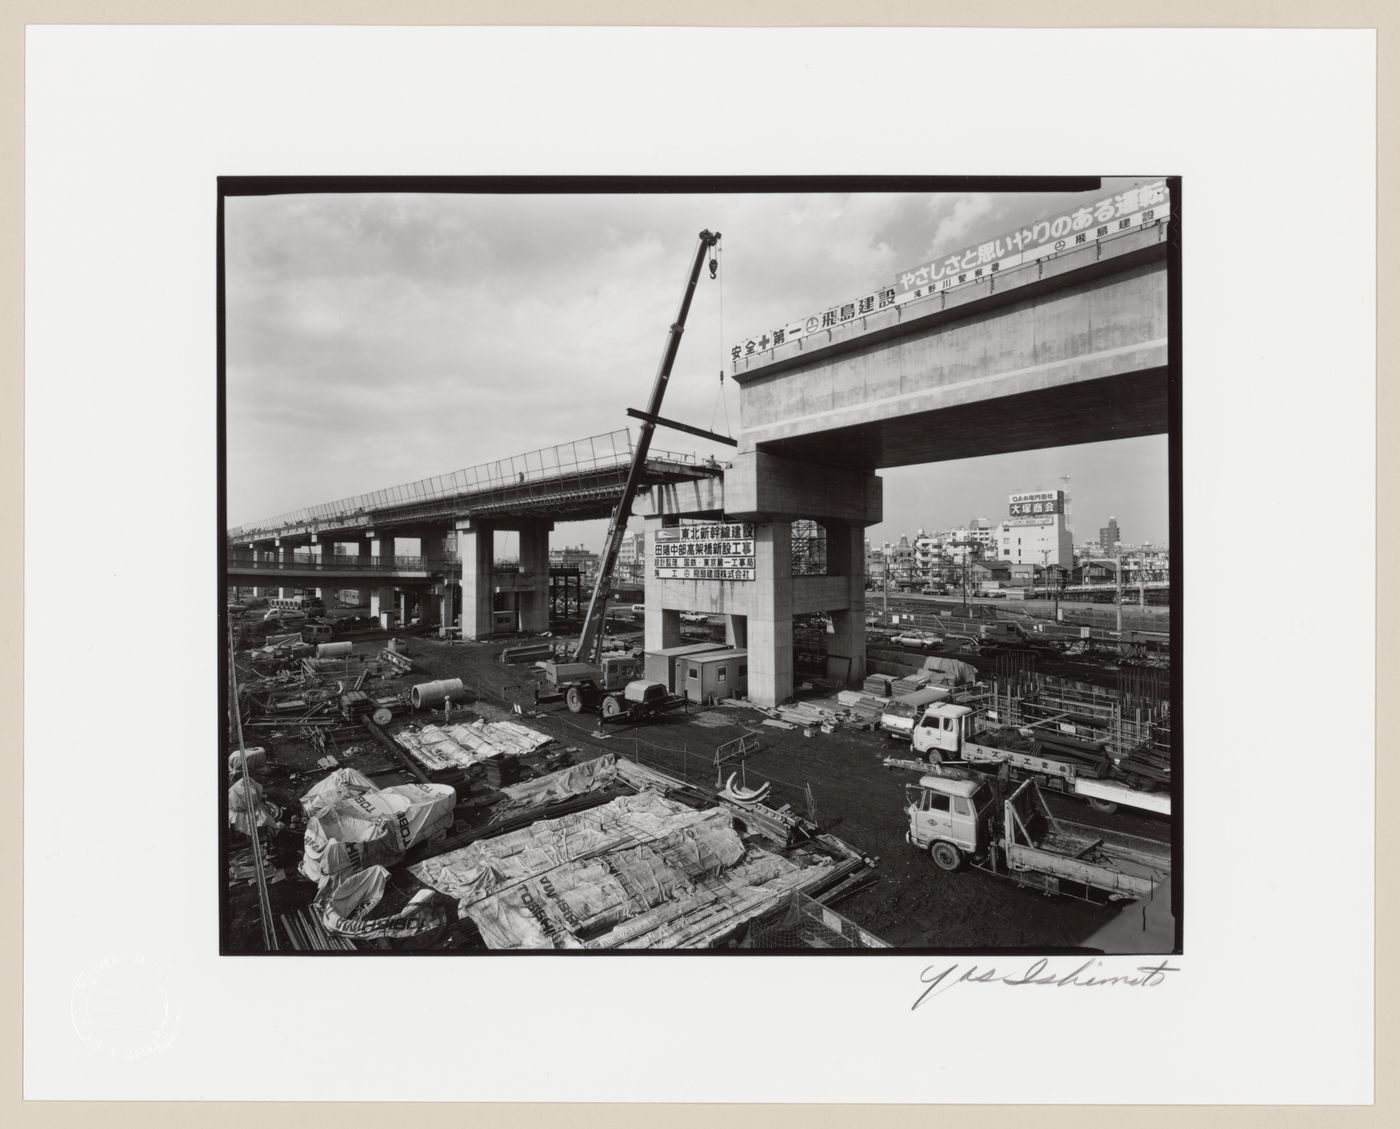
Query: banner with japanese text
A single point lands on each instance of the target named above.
(714, 551)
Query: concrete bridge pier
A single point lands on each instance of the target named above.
(475, 550)
(770, 493)
(770, 614)
(285, 551)
(534, 573)
(381, 545)
(381, 600)
(845, 559)
(661, 626)
(434, 607)
(318, 554)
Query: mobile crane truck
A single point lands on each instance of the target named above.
(590, 681)
(961, 816)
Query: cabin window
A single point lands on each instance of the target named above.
(938, 801)
(948, 724)
(962, 806)
(694, 672)
(723, 672)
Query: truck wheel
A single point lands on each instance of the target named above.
(573, 698)
(611, 706)
(1103, 805)
(946, 856)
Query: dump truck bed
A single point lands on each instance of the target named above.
(1124, 865)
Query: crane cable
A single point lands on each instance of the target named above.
(719, 396)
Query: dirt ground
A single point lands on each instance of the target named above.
(910, 903)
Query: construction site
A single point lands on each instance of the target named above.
(739, 755)
(409, 792)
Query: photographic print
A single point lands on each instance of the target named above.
(699, 566)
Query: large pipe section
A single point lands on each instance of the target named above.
(430, 693)
(333, 650)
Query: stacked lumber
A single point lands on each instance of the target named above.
(776, 824)
(356, 704)
(911, 683)
(528, 653)
(501, 771)
(878, 684)
(306, 933)
(804, 714)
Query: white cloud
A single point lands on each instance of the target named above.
(956, 227)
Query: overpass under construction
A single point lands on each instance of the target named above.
(353, 542)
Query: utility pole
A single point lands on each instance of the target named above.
(885, 585)
(1118, 582)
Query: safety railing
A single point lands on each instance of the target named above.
(580, 457)
(246, 559)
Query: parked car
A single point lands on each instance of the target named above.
(914, 637)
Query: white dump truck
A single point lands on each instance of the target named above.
(946, 732)
(962, 817)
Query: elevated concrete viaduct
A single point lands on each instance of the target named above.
(1068, 348)
(356, 542)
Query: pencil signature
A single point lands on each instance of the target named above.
(936, 981)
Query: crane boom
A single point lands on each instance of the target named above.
(591, 637)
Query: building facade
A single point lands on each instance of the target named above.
(1035, 533)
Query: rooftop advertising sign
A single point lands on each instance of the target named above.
(1037, 503)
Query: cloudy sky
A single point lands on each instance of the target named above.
(377, 339)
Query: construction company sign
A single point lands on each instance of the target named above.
(719, 551)
(857, 308)
(1017, 522)
(1038, 503)
(1114, 215)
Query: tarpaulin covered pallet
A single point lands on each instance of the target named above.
(461, 745)
(352, 824)
(641, 871)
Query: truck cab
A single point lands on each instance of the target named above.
(942, 732)
(951, 816)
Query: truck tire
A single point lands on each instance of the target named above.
(611, 706)
(945, 855)
(573, 698)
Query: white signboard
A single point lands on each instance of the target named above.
(1038, 502)
(717, 551)
(1020, 521)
